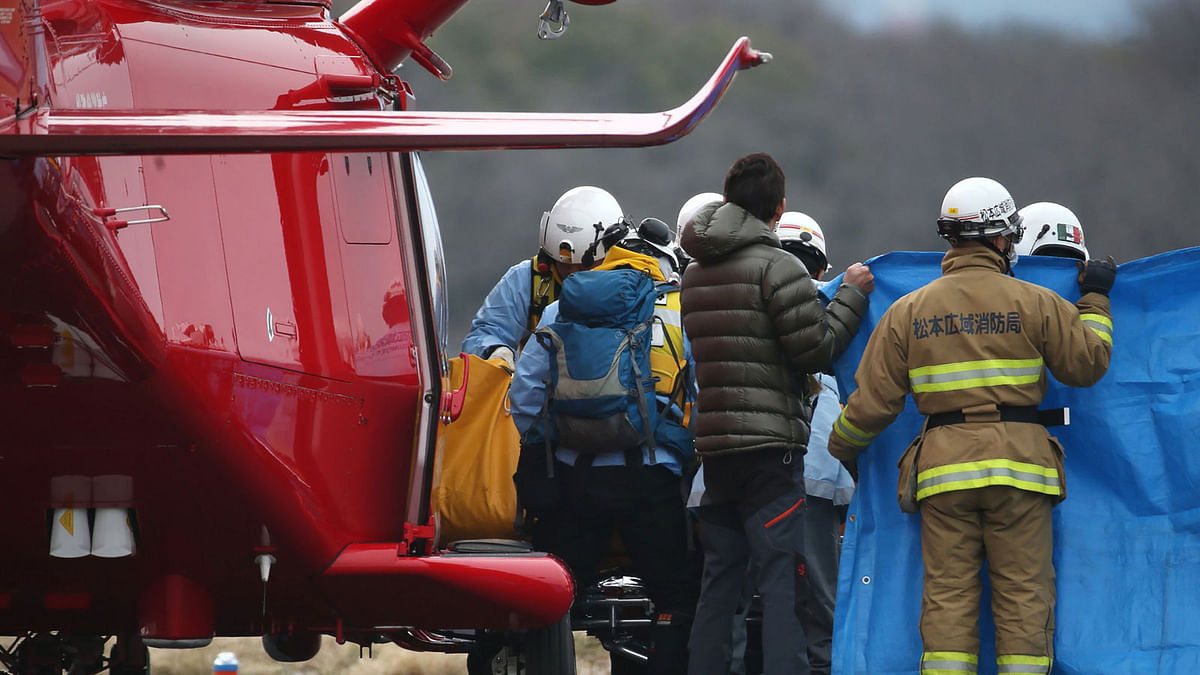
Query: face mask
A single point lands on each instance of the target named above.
(1012, 254)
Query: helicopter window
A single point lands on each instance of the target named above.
(434, 259)
(362, 194)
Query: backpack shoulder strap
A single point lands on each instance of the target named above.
(635, 339)
(552, 343)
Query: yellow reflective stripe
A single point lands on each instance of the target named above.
(976, 382)
(971, 374)
(948, 663)
(951, 656)
(666, 353)
(970, 475)
(1098, 318)
(1101, 325)
(852, 434)
(972, 484)
(984, 464)
(1023, 664)
(974, 365)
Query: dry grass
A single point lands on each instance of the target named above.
(333, 658)
(591, 659)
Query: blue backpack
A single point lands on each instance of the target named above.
(600, 396)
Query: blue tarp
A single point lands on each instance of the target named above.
(1126, 540)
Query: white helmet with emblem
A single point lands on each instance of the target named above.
(1053, 230)
(979, 208)
(799, 234)
(572, 228)
(691, 207)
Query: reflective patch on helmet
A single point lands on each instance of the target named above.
(1071, 233)
(952, 211)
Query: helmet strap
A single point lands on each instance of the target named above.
(589, 254)
(987, 241)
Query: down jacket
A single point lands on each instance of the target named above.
(757, 330)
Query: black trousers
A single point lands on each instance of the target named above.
(754, 523)
(644, 506)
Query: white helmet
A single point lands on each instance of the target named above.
(798, 230)
(653, 238)
(691, 207)
(1053, 230)
(979, 208)
(572, 229)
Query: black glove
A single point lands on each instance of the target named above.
(1097, 276)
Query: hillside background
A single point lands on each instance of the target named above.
(873, 107)
(872, 116)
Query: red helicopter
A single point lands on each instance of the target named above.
(222, 325)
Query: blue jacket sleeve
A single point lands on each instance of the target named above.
(825, 477)
(502, 318)
(527, 394)
(692, 388)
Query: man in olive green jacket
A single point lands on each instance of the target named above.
(758, 331)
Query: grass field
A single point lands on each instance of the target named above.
(591, 659)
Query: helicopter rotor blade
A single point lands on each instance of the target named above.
(49, 132)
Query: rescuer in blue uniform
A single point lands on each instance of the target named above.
(515, 304)
(827, 483)
(632, 489)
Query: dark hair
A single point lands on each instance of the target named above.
(756, 183)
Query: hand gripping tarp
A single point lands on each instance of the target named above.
(1126, 540)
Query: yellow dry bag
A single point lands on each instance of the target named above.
(473, 492)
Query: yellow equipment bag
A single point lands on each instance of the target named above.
(476, 456)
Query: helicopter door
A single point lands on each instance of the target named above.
(426, 278)
(283, 262)
(187, 252)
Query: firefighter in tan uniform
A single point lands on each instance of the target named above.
(973, 348)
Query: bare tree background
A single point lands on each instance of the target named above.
(870, 128)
